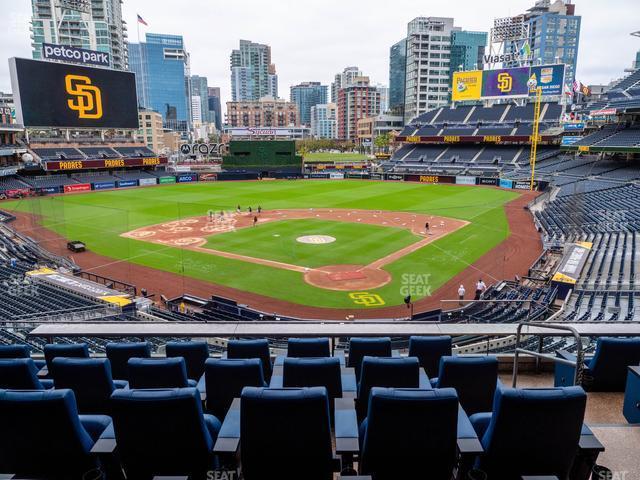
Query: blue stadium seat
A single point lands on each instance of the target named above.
(474, 378)
(429, 350)
(194, 354)
(15, 351)
(225, 379)
(21, 374)
(607, 370)
(286, 434)
(240, 349)
(531, 432)
(44, 437)
(372, 347)
(401, 372)
(164, 432)
(308, 347)
(408, 431)
(159, 373)
(65, 350)
(120, 353)
(90, 380)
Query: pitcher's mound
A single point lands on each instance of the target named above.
(347, 277)
(316, 239)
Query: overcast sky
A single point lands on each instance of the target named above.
(312, 40)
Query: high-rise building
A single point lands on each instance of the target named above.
(196, 110)
(554, 35)
(397, 70)
(357, 100)
(467, 49)
(95, 25)
(266, 112)
(384, 97)
(253, 76)
(323, 120)
(343, 79)
(215, 107)
(163, 82)
(307, 95)
(200, 89)
(428, 65)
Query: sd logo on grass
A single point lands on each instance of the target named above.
(87, 99)
(367, 299)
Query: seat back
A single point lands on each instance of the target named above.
(42, 436)
(161, 432)
(385, 372)
(408, 431)
(313, 372)
(194, 354)
(157, 373)
(251, 349)
(65, 350)
(308, 347)
(15, 351)
(225, 379)
(474, 378)
(89, 379)
(372, 347)
(19, 374)
(429, 351)
(533, 432)
(285, 434)
(120, 353)
(608, 367)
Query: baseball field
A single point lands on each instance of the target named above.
(329, 244)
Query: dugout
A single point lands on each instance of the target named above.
(266, 158)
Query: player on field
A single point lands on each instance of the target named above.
(255, 220)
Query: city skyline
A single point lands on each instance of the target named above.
(333, 48)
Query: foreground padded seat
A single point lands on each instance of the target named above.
(308, 347)
(429, 351)
(286, 434)
(65, 350)
(21, 374)
(225, 379)
(531, 432)
(607, 370)
(120, 353)
(43, 436)
(474, 378)
(409, 431)
(242, 349)
(14, 351)
(372, 347)
(90, 380)
(158, 373)
(194, 354)
(164, 432)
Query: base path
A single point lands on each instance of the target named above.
(193, 233)
(512, 257)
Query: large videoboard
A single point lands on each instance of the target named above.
(49, 94)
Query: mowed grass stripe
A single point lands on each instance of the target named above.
(99, 218)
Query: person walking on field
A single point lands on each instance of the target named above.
(250, 210)
(255, 220)
(480, 288)
(461, 292)
(259, 209)
(426, 227)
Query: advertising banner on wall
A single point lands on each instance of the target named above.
(504, 183)
(570, 140)
(395, 177)
(467, 85)
(487, 181)
(505, 83)
(336, 176)
(143, 182)
(131, 183)
(550, 78)
(77, 187)
(66, 53)
(462, 180)
(171, 179)
(187, 177)
(104, 185)
(104, 163)
(208, 177)
(49, 189)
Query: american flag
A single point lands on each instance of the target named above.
(576, 86)
(141, 20)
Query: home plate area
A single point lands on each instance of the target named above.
(192, 233)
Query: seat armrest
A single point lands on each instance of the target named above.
(346, 427)
(340, 355)
(228, 439)
(43, 372)
(202, 388)
(468, 442)
(423, 380)
(279, 361)
(349, 382)
(277, 380)
(395, 353)
(106, 444)
(567, 356)
(589, 442)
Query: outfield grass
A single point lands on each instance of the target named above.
(317, 157)
(99, 218)
(356, 244)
